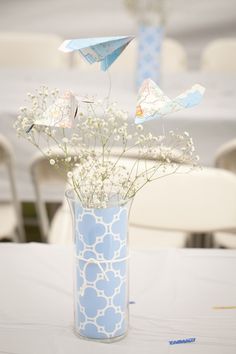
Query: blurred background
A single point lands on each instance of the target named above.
(193, 23)
(187, 42)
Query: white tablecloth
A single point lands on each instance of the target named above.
(211, 124)
(175, 292)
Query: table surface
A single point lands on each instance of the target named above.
(211, 124)
(175, 292)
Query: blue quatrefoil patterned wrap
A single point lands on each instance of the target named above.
(149, 53)
(101, 302)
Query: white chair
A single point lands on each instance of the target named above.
(11, 222)
(60, 231)
(220, 56)
(226, 159)
(45, 178)
(174, 58)
(141, 237)
(202, 201)
(226, 156)
(225, 240)
(198, 204)
(165, 211)
(61, 227)
(31, 50)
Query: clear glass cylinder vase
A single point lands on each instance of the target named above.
(101, 277)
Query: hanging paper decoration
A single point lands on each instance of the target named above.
(153, 104)
(61, 113)
(104, 49)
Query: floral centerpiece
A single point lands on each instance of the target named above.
(107, 159)
(85, 147)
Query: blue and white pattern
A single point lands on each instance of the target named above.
(101, 272)
(149, 53)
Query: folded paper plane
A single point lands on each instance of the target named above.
(153, 104)
(61, 113)
(103, 49)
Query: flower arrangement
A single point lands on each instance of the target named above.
(89, 139)
(107, 158)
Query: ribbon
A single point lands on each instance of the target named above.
(98, 263)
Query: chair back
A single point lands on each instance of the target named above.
(43, 174)
(201, 201)
(226, 156)
(174, 57)
(220, 56)
(7, 159)
(31, 50)
(189, 201)
(226, 159)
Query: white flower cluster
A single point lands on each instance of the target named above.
(38, 104)
(103, 155)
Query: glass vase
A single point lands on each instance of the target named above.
(101, 277)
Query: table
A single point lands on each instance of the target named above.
(175, 292)
(210, 124)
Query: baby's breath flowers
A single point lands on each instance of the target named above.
(103, 155)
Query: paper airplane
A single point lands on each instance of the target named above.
(153, 104)
(59, 114)
(103, 49)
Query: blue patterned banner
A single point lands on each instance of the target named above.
(149, 53)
